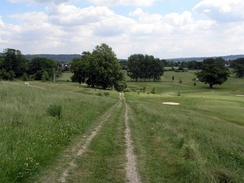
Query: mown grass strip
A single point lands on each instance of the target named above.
(174, 145)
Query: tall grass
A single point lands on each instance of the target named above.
(201, 140)
(178, 145)
(30, 138)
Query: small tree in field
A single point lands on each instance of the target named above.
(213, 72)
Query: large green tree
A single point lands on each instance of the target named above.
(238, 66)
(80, 68)
(99, 69)
(213, 72)
(38, 65)
(145, 67)
(13, 61)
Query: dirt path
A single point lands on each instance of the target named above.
(61, 169)
(131, 172)
(80, 151)
(67, 161)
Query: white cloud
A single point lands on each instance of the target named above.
(122, 2)
(69, 15)
(179, 19)
(39, 1)
(65, 28)
(144, 17)
(222, 11)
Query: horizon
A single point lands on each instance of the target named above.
(231, 55)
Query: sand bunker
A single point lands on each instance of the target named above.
(240, 95)
(171, 103)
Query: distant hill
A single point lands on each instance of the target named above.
(61, 58)
(66, 58)
(228, 57)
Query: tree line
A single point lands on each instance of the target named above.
(14, 65)
(101, 68)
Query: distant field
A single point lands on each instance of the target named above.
(65, 77)
(200, 140)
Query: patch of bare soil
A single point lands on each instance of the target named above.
(131, 172)
(171, 103)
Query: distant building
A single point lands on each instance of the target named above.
(227, 63)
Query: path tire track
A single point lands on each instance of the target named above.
(68, 162)
(131, 172)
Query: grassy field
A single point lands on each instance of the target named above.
(30, 139)
(199, 140)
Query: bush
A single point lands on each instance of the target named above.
(154, 91)
(45, 76)
(25, 77)
(127, 90)
(106, 94)
(55, 110)
(180, 80)
(144, 89)
(99, 94)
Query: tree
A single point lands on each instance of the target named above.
(194, 65)
(213, 72)
(134, 66)
(4, 74)
(38, 65)
(145, 67)
(11, 75)
(79, 66)
(25, 77)
(14, 61)
(99, 69)
(238, 66)
(45, 76)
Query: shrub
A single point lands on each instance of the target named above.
(99, 94)
(25, 77)
(144, 89)
(180, 80)
(55, 110)
(154, 91)
(127, 90)
(45, 76)
(106, 94)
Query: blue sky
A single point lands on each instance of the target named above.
(162, 28)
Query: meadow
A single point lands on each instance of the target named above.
(199, 140)
(31, 138)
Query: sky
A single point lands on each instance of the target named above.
(162, 28)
